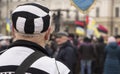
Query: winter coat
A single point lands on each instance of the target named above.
(112, 62)
(100, 57)
(86, 51)
(67, 55)
(100, 49)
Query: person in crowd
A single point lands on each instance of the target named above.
(100, 50)
(112, 61)
(48, 49)
(66, 52)
(3, 45)
(118, 39)
(87, 54)
(73, 39)
(53, 44)
(31, 30)
(75, 42)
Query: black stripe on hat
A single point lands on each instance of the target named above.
(14, 20)
(29, 16)
(29, 26)
(46, 23)
(39, 6)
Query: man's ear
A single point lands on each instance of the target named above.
(47, 34)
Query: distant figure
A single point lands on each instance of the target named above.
(100, 49)
(112, 60)
(56, 20)
(66, 52)
(87, 54)
(118, 39)
(4, 45)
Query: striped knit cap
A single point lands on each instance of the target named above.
(31, 18)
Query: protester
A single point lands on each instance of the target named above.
(100, 51)
(87, 54)
(53, 44)
(118, 39)
(112, 61)
(31, 29)
(66, 52)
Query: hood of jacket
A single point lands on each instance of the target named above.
(113, 45)
(66, 44)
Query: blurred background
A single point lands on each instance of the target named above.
(105, 15)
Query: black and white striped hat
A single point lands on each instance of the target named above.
(31, 18)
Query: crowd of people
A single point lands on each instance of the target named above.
(32, 50)
(84, 55)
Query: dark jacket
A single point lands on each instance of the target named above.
(86, 51)
(100, 57)
(100, 49)
(67, 55)
(112, 64)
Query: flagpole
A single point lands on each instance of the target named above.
(85, 28)
(86, 23)
(7, 7)
(7, 18)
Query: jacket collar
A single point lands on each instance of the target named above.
(66, 44)
(29, 44)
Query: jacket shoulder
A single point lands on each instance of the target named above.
(50, 65)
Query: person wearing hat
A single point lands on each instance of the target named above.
(27, 54)
(66, 51)
(112, 60)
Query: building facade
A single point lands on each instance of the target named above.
(105, 12)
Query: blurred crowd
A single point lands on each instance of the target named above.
(4, 43)
(86, 55)
(82, 55)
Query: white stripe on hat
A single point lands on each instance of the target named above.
(31, 9)
(38, 23)
(20, 24)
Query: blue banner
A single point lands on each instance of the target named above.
(83, 5)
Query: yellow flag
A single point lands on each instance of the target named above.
(92, 26)
(96, 33)
(8, 27)
(80, 31)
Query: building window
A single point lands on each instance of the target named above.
(11, 0)
(117, 12)
(116, 30)
(97, 12)
(18, 0)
